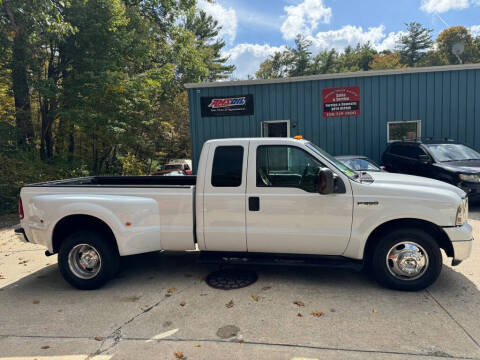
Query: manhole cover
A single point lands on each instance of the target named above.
(229, 279)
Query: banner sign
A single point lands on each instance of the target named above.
(342, 101)
(227, 106)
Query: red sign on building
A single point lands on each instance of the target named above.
(342, 101)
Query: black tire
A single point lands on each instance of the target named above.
(108, 255)
(383, 270)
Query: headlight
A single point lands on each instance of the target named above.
(462, 212)
(469, 177)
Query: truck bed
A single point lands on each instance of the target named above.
(121, 181)
(159, 210)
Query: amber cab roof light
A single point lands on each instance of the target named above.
(298, 137)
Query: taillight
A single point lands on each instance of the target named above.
(20, 208)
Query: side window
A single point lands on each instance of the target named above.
(227, 166)
(414, 152)
(398, 150)
(286, 166)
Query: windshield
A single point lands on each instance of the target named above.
(173, 166)
(452, 152)
(339, 165)
(360, 164)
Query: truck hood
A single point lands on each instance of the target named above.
(414, 183)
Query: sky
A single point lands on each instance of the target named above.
(255, 29)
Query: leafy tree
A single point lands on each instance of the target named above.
(386, 61)
(413, 45)
(324, 62)
(364, 55)
(275, 66)
(449, 37)
(348, 61)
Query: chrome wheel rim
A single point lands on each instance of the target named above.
(407, 260)
(84, 261)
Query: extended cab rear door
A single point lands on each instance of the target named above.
(224, 189)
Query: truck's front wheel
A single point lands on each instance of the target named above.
(87, 260)
(407, 259)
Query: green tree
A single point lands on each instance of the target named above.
(454, 35)
(275, 66)
(413, 45)
(386, 61)
(300, 56)
(206, 30)
(324, 62)
(15, 24)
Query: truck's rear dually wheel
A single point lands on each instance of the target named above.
(87, 260)
(407, 259)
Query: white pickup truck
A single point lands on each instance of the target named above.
(256, 200)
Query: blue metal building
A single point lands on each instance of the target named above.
(349, 113)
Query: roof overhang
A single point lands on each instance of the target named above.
(346, 75)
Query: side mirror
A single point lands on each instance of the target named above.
(424, 159)
(326, 182)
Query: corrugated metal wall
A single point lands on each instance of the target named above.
(447, 103)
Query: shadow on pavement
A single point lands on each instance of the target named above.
(146, 270)
(474, 210)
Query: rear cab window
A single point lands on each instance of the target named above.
(227, 166)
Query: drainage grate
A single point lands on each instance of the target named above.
(229, 279)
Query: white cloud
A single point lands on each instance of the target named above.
(350, 35)
(440, 6)
(475, 30)
(227, 18)
(304, 18)
(390, 42)
(248, 57)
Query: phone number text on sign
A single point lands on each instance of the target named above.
(342, 101)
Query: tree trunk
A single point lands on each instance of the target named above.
(49, 109)
(21, 93)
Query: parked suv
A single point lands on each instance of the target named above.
(445, 160)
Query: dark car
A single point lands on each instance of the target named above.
(359, 163)
(444, 160)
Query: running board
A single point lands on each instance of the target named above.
(242, 258)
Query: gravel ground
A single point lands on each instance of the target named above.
(160, 307)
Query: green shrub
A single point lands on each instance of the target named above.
(20, 169)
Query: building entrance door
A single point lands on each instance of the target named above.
(278, 128)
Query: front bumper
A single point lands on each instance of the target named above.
(21, 235)
(462, 239)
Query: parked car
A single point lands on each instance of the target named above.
(258, 200)
(175, 173)
(359, 163)
(444, 160)
(175, 167)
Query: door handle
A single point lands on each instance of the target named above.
(254, 203)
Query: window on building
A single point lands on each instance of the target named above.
(403, 130)
(287, 166)
(227, 166)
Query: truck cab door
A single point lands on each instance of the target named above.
(285, 211)
(224, 197)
